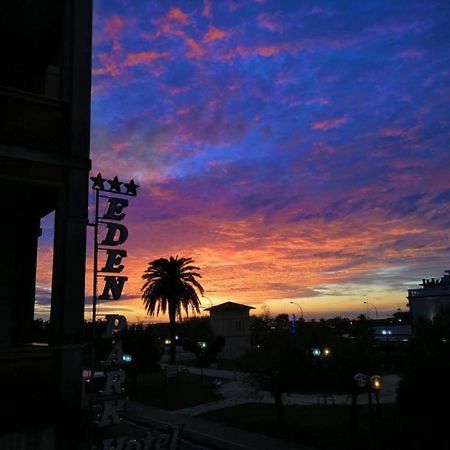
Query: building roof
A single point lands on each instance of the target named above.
(228, 306)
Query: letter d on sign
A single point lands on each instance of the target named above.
(117, 234)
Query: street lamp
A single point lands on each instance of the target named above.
(301, 310)
(371, 304)
(201, 345)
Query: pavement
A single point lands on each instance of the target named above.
(199, 434)
(239, 391)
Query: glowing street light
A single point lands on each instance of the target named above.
(376, 382)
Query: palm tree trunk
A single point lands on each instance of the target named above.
(172, 320)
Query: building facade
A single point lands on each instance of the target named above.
(45, 73)
(431, 299)
(232, 321)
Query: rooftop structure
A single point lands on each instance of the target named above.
(432, 298)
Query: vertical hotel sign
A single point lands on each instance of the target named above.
(116, 235)
(107, 403)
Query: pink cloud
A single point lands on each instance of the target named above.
(411, 53)
(245, 52)
(267, 21)
(330, 123)
(195, 50)
(318, 101)
(112, 29)
(267, 51)
(409, 132)
(398, 28)
(108, 66)
(177, 15)
(134, 59)
(392, 132)
(206, 8)
(171, 90)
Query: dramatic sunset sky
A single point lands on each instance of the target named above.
(297, 150)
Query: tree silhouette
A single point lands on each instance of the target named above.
(171, 284)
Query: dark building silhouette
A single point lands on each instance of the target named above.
(45, 51)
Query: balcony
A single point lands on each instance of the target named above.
(32, 121)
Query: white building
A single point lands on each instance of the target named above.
(433, 297)
(232, 321)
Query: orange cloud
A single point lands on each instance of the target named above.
(267, 51)
(195, 50)
(244, 52)
(177, 15)
(330, 123)
(214, 34)
(134, 59)
(109, 66)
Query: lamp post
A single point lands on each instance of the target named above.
(371, 304)
(210, 302)
(201, 345)
(363, 382)
(301, 310)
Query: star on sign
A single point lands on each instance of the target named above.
(131, 187)
(114, 184)
(99, 182)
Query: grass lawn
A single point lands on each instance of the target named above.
(326, 427)
(174, 393)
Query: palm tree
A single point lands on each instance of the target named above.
(171, 284)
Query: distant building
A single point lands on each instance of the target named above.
(433, 297)
(45, 74)
(392, 333)
(232, 321)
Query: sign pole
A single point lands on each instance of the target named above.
(94, 317)
(94, 282)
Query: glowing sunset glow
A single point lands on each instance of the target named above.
(296, 151)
